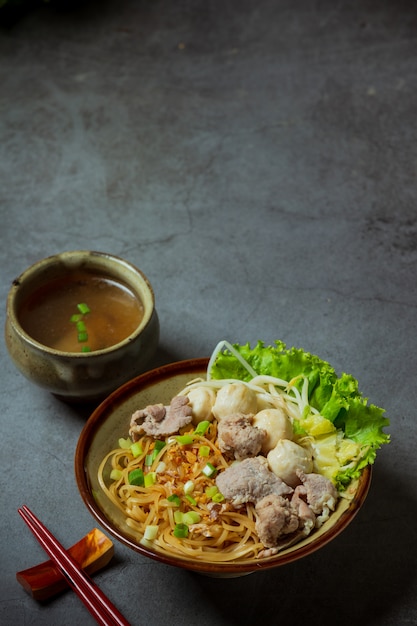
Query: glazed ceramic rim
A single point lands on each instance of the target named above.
(32, 270)
(103, 412)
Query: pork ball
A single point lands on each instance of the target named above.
(277, 425)
(287, 458)
(234, 398)
(201, 400)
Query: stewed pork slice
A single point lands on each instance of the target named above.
(275, 518)
(249, 481)
(158, 420)
(237, 438)
(320, 494)
(306, 515)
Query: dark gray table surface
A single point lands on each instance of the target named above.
(258, 161)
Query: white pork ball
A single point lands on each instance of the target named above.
(201, 400)
(286, 458)
(234, 398)
(277, 425)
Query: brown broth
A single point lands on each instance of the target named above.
(115, 312)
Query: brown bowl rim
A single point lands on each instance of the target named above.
(103, 412)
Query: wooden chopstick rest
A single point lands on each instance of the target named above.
(45, 580)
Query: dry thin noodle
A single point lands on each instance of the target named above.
(217, 538)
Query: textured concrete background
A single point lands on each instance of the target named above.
(258, 161)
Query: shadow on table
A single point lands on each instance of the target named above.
(12, 11)
(363, 575)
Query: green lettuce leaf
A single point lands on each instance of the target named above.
(337, 398)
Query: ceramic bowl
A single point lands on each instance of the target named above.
(76, 376)
(111, 421)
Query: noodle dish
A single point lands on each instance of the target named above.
(245, 463)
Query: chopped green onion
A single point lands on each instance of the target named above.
(83, 308)
(189, 487)
(178, 515)
(184, 440)
(209, 470)
(211, 491)
(77, 319)
(136, 449)
(115, 474)
(150, 479)
(218, 497)
(190, 499)
(202, 427)
(191, 517)
(204, 451)
(151, 532)
(146, 542)
(181, 531)
(159, 445)
(149, 458)
(136, 477)
(174, 499)
(125, 443)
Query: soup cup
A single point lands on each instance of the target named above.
(80, 376)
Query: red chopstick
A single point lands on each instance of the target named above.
(94, 599)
